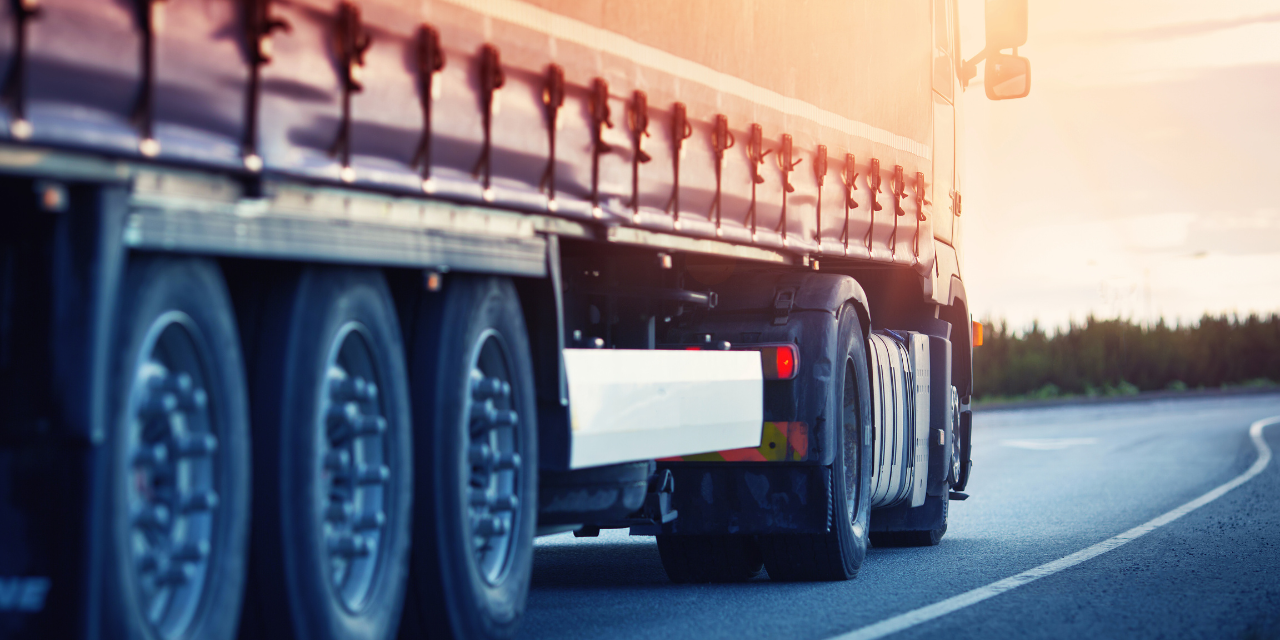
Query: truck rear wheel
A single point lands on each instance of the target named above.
(178, 492)
(476, 419)
(711, 558)
(333, 463)
(837, 554)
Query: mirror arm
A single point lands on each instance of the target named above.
(970, 67)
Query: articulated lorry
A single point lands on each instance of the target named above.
(314, 313)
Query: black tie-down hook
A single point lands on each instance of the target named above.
(601, 117)
(820, 173)
(15, 87)
(638, 123)
(899, 187)
(552, 101)
(787, 165)
(756, 153)
(491, 79)
(350, 41)
(430, 62)
(259, 24)
(721, 141)
(848, 176)
(681, 130)
(873, 182)
(920, 217)
(150, 18)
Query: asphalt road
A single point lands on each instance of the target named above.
(1046, 484)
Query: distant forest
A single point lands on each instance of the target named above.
(1118, 357)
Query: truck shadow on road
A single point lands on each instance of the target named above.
(600, 563)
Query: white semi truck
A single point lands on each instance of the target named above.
(314, 313)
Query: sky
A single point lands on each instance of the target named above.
(1138, 179)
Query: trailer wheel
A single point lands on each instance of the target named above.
(713, 558)
(837, 554)
(476, 415)
(178, 464)
(332, 459)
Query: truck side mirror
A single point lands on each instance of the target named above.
(1007, 76)
(1006, 24)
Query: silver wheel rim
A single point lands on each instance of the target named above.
(352, 458)
(852, 468)
(493, 450)
(172, 473)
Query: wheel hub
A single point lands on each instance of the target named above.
(172, 475)
(493, 453)
(352, 456)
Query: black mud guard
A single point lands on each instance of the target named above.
(940, 416)
(797, 307)
(748, 498)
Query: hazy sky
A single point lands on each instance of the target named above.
(1139, 178)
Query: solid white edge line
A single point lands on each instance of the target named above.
(955, 603)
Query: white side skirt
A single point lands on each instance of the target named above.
(627, 405)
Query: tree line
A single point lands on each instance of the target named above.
(1111, 357)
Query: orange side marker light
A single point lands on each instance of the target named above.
(977, 333)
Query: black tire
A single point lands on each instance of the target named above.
(837, 554)
(473, 545)
(332, 460)
(710, 558)
(178, 468)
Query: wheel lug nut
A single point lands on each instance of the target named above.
(490, 527)
(506, 418)
(337, 460)
(338, 511)
(195, 400)
(192, 552)
(491, 388)
(153, 517)
(373, 475)
(200, 444)
(159, 404)
(505, 503)
(341, 413)
(371, 426)
(483, 412)
(481, 455)
(350, 546)
(508, 461)
(152, 456)
(206, 501)
(371, 521)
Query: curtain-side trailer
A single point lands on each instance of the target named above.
(314, 313)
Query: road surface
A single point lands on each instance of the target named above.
(1047, 483)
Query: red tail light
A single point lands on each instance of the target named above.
(779, 362)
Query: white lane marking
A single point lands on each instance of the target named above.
(939, 609)
(1048, 444)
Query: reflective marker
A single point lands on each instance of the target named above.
(779, 361)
